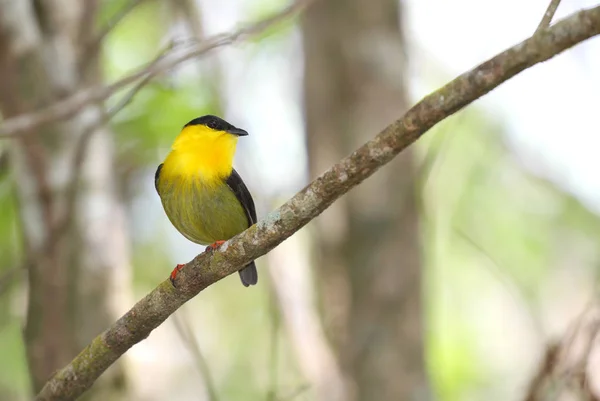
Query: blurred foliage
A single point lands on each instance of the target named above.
(492, 232)
(144, 130)
(14, 379)
(136, 40)
(258, 11)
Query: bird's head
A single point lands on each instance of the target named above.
(208, 131)
(208, 143)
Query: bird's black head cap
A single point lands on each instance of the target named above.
(218, 124)
(211, 121)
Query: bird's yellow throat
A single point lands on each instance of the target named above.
(201, 153)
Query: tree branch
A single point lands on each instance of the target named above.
(548, 15)
(563, 369)
(208, 268)
(72, 105)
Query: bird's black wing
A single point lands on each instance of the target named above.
(156, 175)
(235, 183)
(248, 274)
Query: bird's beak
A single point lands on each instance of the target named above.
(237, 131)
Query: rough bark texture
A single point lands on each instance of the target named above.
(548, 15)
(368, 258)
(368, 253)
(206, 269)
(76, 251)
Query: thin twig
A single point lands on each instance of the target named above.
(96, 42)
(62, 224)
(500, 274)
(565, 362)
(433, 158)
(208, 268)
(189, 340)
(75, 103)
(537, 385)
(548, 15)
(274, 314)
(81, 148)
(57, 229)
(295, 393)
(93, 44)
(211, 71)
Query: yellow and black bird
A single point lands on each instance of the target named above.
(202, 194)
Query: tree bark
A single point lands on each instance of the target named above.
(288, 267)
(75, 242)
(368, 253)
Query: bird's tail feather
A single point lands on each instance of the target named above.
(249, 275)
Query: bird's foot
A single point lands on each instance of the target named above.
(210, 248)
(174, 273)
(215, 245)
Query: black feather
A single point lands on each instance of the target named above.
(248, 274)
(235, 183)
(211, 121)
(156, 175)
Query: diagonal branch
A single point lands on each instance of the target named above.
(72, 105)
(81, 147)
(564, 368)
(206, 269)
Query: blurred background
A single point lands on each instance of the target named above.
(450, 274)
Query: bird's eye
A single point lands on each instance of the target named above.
(212, 124)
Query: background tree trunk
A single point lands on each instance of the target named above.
(368, 244)
(76, 248)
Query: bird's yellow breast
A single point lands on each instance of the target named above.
(202, 213)
(193, 189)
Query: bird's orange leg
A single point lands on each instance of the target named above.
(174, 273)
(214, 245)
(211, 247)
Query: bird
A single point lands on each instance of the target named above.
(203, 196)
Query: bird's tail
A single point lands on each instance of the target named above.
(249, 275)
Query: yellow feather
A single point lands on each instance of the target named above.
(199, 152)
(194, 188)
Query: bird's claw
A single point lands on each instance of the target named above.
(174, 273)
(215, 245)
(210, 248)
